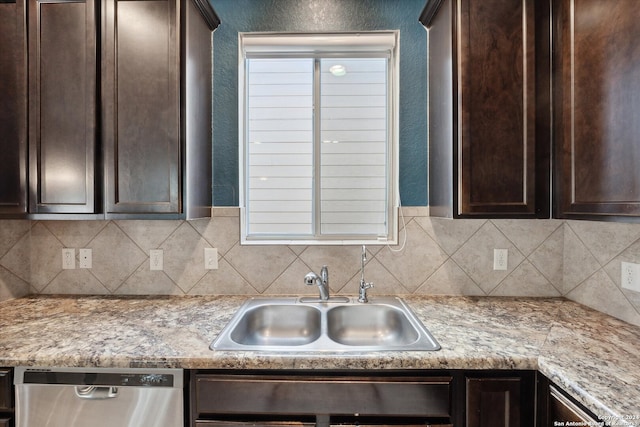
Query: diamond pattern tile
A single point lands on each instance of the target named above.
(547, 258)
(605, 240)
(419, 259)
(578, 262)
(577, 259)
(11, 286)
(450, 234)
(527, 281)
(526, 234)
(476, 257)
(17, 259)
(75, 234)
(115, 256)
(260, 265)
(449, 279)
(184, 256)
(148, 234)
(223, 281)
(601, 293)
(46, 256)
(343, 262)
(11, 231)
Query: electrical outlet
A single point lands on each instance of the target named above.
(500, 259)
(630, 276)
(68, 258)
(156, 261)
(86, 260)
(210, 258)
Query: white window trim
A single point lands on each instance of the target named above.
(257, 45)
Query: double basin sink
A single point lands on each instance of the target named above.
(340, 324)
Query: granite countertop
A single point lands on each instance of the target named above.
(594, 357)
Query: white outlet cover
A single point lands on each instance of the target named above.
(500, 259)
(210, 258)
(68, 258)
(156, 261)
(630, 276)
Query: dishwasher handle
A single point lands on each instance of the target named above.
(90, 392)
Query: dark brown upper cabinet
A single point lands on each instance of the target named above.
(62, 106)
(119, 108)
(597, 109)
(13, 108)
(156, 94)
(489, 111)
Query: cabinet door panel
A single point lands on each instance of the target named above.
(6, 390)
(62, 105)
(13, 102)
(497, 111)
(562, 410)
(597, 102)
(141, 102)
(489, 133)
(493, 402)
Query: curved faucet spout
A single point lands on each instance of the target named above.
(321, 281)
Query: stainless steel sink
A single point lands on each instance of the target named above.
(278, 324)
(370, 324)
(339, 325)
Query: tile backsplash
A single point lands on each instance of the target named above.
(576, 259)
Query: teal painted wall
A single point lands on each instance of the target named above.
(321, 16)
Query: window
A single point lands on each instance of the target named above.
(318, 132)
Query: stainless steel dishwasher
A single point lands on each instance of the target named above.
(99, 397)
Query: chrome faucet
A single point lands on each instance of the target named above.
(362, 292)
(322, 281)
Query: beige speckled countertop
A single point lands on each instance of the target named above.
(594, 357)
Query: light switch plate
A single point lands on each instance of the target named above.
(86, 258)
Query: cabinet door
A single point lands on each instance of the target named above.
(6, 390)
(562, 410)
(494, 402)
(489, 137)
(497, 109)
(597, 100)
(141, 106)
(62, 105)
(13, 104)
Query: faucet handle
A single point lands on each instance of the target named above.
(362, 292)
(310, 278)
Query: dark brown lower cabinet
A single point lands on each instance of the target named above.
(500, 402)
(454, 398)
(557, 408)
(325, 399)
(6, 397)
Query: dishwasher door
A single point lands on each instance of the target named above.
(86, 397)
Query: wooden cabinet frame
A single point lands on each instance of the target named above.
(596, 92)
(489, 115)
